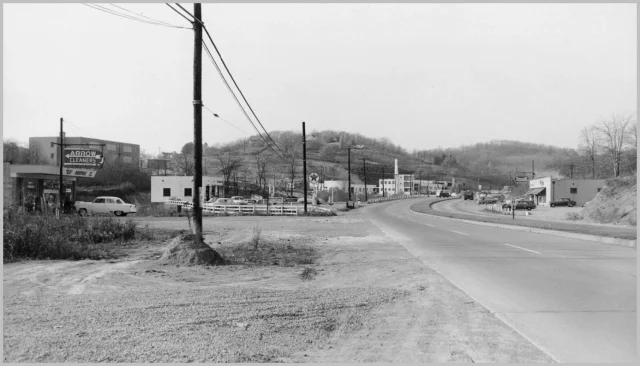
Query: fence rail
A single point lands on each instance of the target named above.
(276, 209)
(394, 197)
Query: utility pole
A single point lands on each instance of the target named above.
(533, 171)
(61, 193)
(420, 184)
(349, 174)
(364, 163)
(197, 120)
(304, 165)
(383, 181)
(571, 166)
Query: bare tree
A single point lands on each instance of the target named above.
(261, 165)
(589, 145)
(228, 166)
(614, 134)
(291, 170)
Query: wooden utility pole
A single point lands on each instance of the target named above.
(533, 171)
(197, 120)
(383, 182)
(61, 192)
(571, 166)
(304, 165)
(364, 163)
(349, 174)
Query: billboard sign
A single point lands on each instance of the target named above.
(83, 157)
(314, 178)
(73, 172)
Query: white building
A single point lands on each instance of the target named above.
(181, 187)
(546, 189)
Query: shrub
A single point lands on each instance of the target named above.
(70, 237)
(308, 274)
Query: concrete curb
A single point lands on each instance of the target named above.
(565, 234)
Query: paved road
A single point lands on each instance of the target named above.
(456, 208)
(573, 299)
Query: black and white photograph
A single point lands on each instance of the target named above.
(320, 182)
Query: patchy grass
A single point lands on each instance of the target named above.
(281, 252)
(573, 216)
(308, 274)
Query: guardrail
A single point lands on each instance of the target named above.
(275, 209)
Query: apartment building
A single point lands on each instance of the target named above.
(115, 152)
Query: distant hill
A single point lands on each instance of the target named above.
(490, 163)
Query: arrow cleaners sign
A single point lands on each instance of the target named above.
(83, 157)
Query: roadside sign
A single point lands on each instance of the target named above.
(83, 157)
(522, 179)
(73, 172)
(314, 178)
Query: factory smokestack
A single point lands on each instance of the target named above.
(396, 169)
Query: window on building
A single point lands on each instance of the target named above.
(52, 158)
(111, 147)
(126, 159)
(187, 192)
(573, 190)
(166, 192)
(127, 149)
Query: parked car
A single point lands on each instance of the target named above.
(520, 205)
(563, 202)
(442, 194)
(105, 204)
(487, 200)
(223, 201)
(239, 200)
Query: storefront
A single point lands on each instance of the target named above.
(540, 191)
(544, 190)
(37, 188)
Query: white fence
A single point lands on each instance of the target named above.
(278, 209)
(394, 197)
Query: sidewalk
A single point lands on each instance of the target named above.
(609, 231)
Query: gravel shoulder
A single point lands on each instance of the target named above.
(369, 301)
(550, 219)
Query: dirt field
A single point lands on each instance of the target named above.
(369, 301)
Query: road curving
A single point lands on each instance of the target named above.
(622, 236)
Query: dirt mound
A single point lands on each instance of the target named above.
(616, 203)
(184, 250)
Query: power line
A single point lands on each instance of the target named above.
(116, 13)
(229, 123)
(144, 16)
(179, 13)
(237, 87)
(238, 101)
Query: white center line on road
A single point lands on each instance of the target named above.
(460, 232)
(528, 250)
(429, 225)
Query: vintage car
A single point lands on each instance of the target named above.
(563, 202)
(487, 200)
(103, 205)
(239, 200)
(520, 205)
(468, 195)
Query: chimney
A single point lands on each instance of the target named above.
(396, 170)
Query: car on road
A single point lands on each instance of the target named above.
(563, 202)
(487, 200)
(442, 194)
(520, 205)
(105, 204)
(239, 200)
(468, 195)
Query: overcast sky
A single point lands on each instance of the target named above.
(423, 75)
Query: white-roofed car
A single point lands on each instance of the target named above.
(239, 200)
(104, 205)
